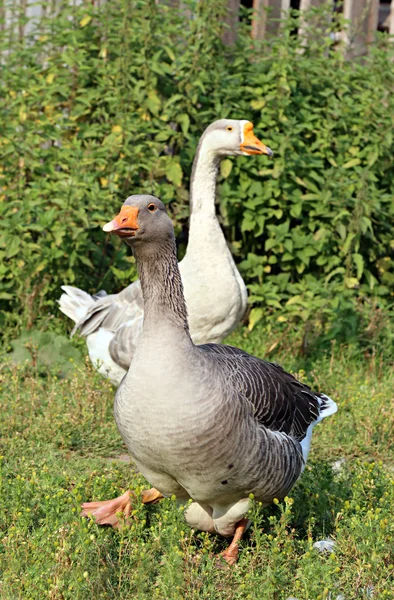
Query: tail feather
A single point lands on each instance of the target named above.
(92, 320)
(75, 302)
(327, 407)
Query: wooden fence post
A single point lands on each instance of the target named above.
(259, 19)
(266, 15)
(304, 6)
(231, 21)
(363, 17)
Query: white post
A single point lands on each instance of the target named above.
(391, 18)
(304, 5)
(348, 9)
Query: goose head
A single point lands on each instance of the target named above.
(142, 218)
(231, 137)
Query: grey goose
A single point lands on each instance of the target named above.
(208, 422)
(215, 292)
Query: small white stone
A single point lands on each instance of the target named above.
(324, 545)
(338, 465)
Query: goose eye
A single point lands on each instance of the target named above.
(229, 128)
(152, 207)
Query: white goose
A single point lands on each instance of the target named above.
(214, 290)
(211, 422)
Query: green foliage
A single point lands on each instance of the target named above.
(60, 447)
(109, 99)
(45, 350)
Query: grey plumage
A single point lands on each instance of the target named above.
(207, 422)
(280, 402)
(112, 311)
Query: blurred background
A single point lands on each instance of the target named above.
(100, 100)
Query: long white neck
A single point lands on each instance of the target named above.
(204, 226)
(203, 182)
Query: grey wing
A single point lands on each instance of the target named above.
(224, 350)
(124, 342)
(113, 311)
(280, 402)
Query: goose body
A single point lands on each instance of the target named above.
(223, 424)
(208, 422)
(215, 292)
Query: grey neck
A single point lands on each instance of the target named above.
(203, 181)
(162, 289)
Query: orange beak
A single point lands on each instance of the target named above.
(125, 224)
(251, 144)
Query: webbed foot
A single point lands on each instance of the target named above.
(117, 511)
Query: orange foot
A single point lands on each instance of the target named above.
(106, 512)
(151, 496)
(230, 555)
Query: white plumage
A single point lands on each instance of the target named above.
(215, 293)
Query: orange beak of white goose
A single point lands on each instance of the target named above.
(251, 144)
(125, 223)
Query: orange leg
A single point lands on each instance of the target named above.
(106, 512)
(151, 496)
(231, 554)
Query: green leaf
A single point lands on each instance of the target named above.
(153, 103)
(308, 184)
(169, 52)
(13, 247)
(354, 150)
(184, 121)
(86, 261)
(255, 316)
(341, 230)
(226, 167)
(174, 173)
(294, 300)
(351, 282)
(248, 221)
(164, 135)
(373, 157)
(337, 271)
(348, 241)
(310, 196)
(296, 210)
(257, 104)
(351, 163)
(270, 243)
(359, 262)
(256, 189)
(85, 21)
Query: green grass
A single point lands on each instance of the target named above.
(60, 446)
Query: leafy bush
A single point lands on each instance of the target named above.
(106, 101)
(45, 350)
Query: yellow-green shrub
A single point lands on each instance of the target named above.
(106, 101)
